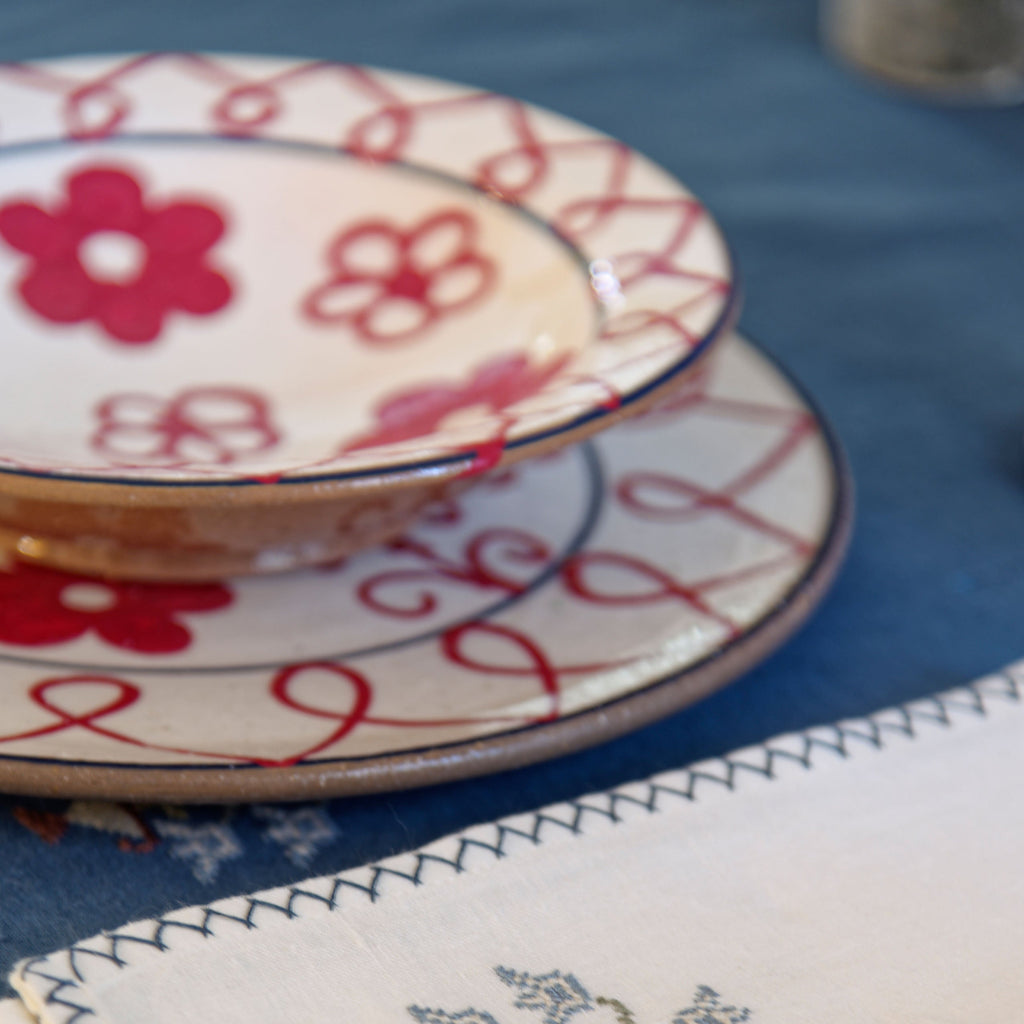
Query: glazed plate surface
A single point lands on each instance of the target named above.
(254, 270)
(559, 603)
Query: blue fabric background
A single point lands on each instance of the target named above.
(880, 241)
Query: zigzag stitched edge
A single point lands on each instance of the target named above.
(839, 739)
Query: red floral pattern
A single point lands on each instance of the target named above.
(605, 208)
(389, 285)
(170, 273)
(496, 386)
(214, 425)
(37, 608)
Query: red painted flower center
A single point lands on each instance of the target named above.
(114, 257)
(409, 284)
(88, 597)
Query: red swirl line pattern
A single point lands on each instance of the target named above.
(499, 558)
(537, 665)
(578, 572)
(386, 128)
(456, 645)
(671, 498)
(362, 694)
(42, 695)
(639, 493)
(476, 569)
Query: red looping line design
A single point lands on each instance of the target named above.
(95, 94)
(394, 121)
(454, 644)
(383, 135)
(126, 694)
(535, 663)
(664, 497)
(516, 174)
(669, 498)
(476, 569)
(360, 690)
(537, 156)
(682, 500)
(104, 90)
(577, 577)
(41, 694)
(362, 695)
(246, 107)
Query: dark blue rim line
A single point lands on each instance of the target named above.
(594, 478)
(723, 321)
(842, 497)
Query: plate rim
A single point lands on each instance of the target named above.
(515, 748)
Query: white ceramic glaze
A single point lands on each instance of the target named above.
(563, 586)
(227, 268)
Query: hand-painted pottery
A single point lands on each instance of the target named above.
(258, 313)
(559, 603)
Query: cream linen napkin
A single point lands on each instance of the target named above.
(859, 873)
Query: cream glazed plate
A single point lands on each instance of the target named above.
(279, 285)
(561, 602)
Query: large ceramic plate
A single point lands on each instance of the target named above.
(236, 269)
(554, 606)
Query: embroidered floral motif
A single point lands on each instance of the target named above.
(555, 995)
(707, 1009)
(558, 996)
(300, 832)
(389, 285)
(154, 259)
(40, 606)
(623, 1014)
(48, 825)
(204, 847)
(122, 821)
(440, 1017)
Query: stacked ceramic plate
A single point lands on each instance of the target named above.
(364, 431)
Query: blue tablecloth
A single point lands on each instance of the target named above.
(880, 242)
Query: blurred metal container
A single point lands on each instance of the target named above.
(969, 51)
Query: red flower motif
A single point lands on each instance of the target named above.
(389, 285)
(40, 606)
(495, 386)
(214, 425)
(106, 255)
